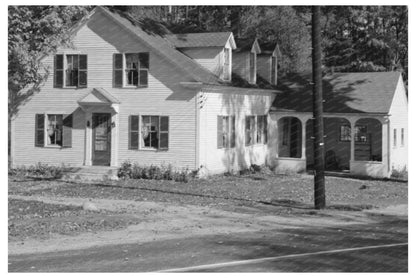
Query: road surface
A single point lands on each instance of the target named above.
(380, 247)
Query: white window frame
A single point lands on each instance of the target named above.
(141, 139)
(65, 65)
(124, 77)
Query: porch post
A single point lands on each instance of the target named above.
(385, 151)
(352, 122)
(88, 136)
(304, 121)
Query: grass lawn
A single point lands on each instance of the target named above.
(259, 193)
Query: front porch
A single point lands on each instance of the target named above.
(354, 143)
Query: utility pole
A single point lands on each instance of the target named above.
(318, 121)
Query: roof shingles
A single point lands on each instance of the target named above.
(358, 92)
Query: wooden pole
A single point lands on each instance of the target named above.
(318, 128)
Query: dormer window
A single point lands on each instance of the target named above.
(253, 62)
(131, 70)
(273, 78)
(227, 64)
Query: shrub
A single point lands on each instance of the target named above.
(39, 170)
(128, 170)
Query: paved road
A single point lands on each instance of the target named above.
(179, 255)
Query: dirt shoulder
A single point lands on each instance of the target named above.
(144, 211)
(162, 221)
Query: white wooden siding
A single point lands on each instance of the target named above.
(399, 120)
(239, 104)
(100, 39)
(208, 57)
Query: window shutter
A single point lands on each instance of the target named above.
(67, 131)
(220, 143)
(265, 129)
(82, 72)
(39, 130)
(118, 70)
(134, 132)
(232, 140)
(144, 68)
(59, 71)
(164, 133)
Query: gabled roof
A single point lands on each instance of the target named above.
(350, 92)
(270, 48)
(201, 39)
(156, 41)
(98, 96)
(247, 44)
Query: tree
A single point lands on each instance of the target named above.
(34, 31)
(365, 38)
(284, 25)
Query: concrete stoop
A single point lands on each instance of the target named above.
(91, 173)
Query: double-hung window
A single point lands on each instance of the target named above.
(131, 69)
(256, 130)
(359, 130)
(148, 132)
(225, 132)
(53, 130)
(70, 71)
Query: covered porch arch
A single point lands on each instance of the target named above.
(361, 150)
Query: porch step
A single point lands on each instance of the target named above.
(90, 173)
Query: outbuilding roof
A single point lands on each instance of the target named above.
(350, 92)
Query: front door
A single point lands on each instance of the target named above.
(101, 139)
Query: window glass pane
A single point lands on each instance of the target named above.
(232, 140)
(132, 61)
(345, 133)
(132, 77)
(54, 129)
(225, 128)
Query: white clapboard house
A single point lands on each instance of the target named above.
(127, 90)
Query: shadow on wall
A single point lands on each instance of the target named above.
(235, 104)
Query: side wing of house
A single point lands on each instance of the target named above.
(234, 130)
(125, 99)
(398, 131)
